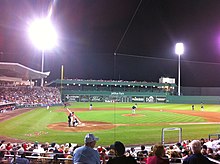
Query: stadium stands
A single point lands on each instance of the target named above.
(62, 153)
(26, 96)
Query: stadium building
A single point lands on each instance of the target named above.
(79, 90)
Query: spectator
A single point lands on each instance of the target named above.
(158, 156)
(142, 154)
(202, 140)
(204, 150)
(120, 155)
(111, 152)
(196, 156)
(178, 147)
(184, 155)
(175, 157)
(133, 152)
(2, 145)
(210, 153)
(9, 147)
(21, 159)
(2, 158)
(87, 154)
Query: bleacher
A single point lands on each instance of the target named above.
(48, 156)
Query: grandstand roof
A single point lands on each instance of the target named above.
(17, 70)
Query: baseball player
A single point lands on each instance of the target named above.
(133, 109)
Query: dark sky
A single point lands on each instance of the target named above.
(90, 31)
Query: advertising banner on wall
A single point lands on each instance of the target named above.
(84, 98)
(161, 99)
(96, 98)
(112, 99)
(137, 99)
(150, 99)
(72, 98)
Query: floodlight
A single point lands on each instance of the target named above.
(43, 34)
(179, 50)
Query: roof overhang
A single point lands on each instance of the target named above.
(17, 70)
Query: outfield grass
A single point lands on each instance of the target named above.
(32, 126)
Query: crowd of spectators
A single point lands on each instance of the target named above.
(4, 107)
(187, 152)
(27, 96)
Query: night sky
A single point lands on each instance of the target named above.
(91, 31)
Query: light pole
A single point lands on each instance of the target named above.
(179, 50)
(43, 36)
(42, 67)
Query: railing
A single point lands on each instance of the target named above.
(53, 158)
(41, 159)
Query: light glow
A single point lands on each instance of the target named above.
(43, 34)
(179, 48)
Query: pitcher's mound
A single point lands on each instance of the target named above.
(87, 126)
(133, 115)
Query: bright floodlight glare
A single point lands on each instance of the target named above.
(43, 34)
(179, 49)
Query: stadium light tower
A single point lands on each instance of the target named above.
(43, 36)
(179, 50)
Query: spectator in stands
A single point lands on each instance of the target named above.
(202, 141)
(158, 156)
(8, 147)
(204, 150)
(184, 144)
(111, 151)
(175, 157)
(87, 154)
(196, 157)
(103, 155)
(2, 145)
(178, 147)
(38, 149)
(24, 145)
(120, 155)
(21, 159)
(184, 155)
(59, 149)
(210, 153)
(142, 154)
(2, 158)
(52, 146)
(133, 152)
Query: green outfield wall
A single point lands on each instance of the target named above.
(143, 97)
(193, 99)
(79, 90)
(104, 96)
